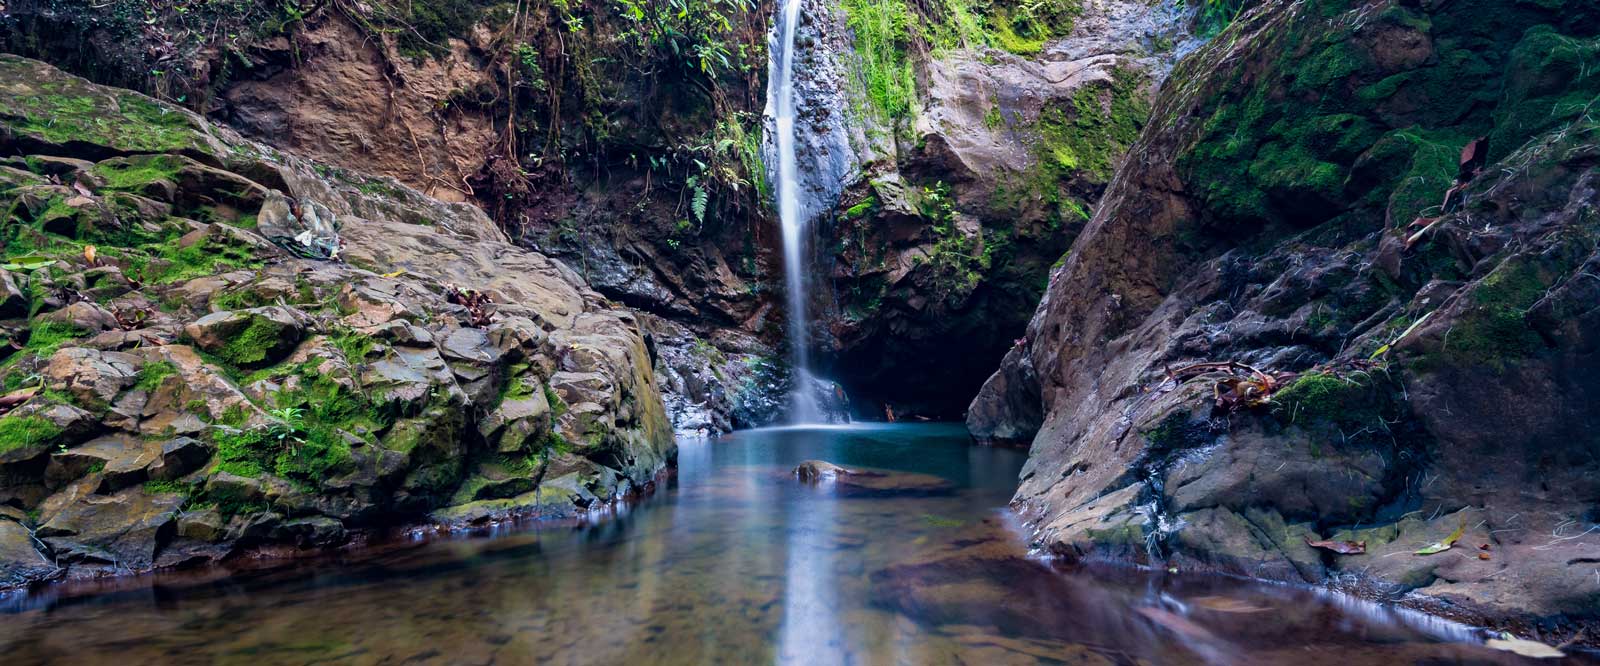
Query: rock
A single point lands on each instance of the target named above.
(122, 529)
(76, 462)
(178, 457)
(237, 489)
(812, 471)
(92, 377)
(248, 338)
(385, 371)
(84, 316)
(316, 531)
(518, 424)
(20, 561)
(1420, 380)
(13, 303)
(204, 525)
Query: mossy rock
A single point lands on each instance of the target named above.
(50, 111)
(248, 339)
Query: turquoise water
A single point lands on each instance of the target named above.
(734, 562)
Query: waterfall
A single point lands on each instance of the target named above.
(781, 109)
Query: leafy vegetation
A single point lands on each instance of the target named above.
(888, 31)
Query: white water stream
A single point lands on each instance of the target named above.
(781, 109)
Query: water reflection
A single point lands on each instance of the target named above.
(738, 564)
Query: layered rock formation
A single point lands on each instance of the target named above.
(1313, 306)
(587, 139)
(955, 212)
(216, 346)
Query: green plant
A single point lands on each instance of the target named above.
(683, 34)
(18, 431)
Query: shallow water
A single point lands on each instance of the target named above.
(738, 563)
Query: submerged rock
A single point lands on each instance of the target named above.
(812, 471)
(864, 483)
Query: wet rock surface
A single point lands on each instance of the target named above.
(1404, 367)
(938, 248)
(193, 387)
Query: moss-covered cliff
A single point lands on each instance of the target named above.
(216, 346)
(1340, 290)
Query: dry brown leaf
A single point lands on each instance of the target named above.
(1526, 648)
(1340, 547)
(17, 397)
(1227, 605)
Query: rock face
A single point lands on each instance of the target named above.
(584, 139)
(197, 385)
(639, 164)
(939, 244)
(1273, 332)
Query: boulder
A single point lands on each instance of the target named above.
(93, 377)
(249, 338)
(124, 529)
(21, 562)
(519, 424)
(13, 303)
(812, 471)
(84, 316)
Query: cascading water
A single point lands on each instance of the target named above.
(781, 109)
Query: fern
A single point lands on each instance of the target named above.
(701, 199)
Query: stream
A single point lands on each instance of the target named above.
(735, 561)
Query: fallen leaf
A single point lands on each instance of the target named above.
(1444, 545)
(1483, 556)
(1340, 547)
(1533, 649)
(27, 263)
(395, 274)
(17, 397)
(1226, 605)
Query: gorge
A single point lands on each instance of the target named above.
(604, 331)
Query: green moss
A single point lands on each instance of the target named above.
(1026, 27)
(174, 263)
(423, 28)
(168, 487)
(45, 337)
(883, 33)
(1551, 79)
(1350, 403)
(136, 173)
(354, 345)
(66, 112)
(557, 405)
(153, 374)
(240, 298)
(520, 387)
(18, 432)
(250, 346)
(1099, 127)
(1495, 331)
(1177, 431)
